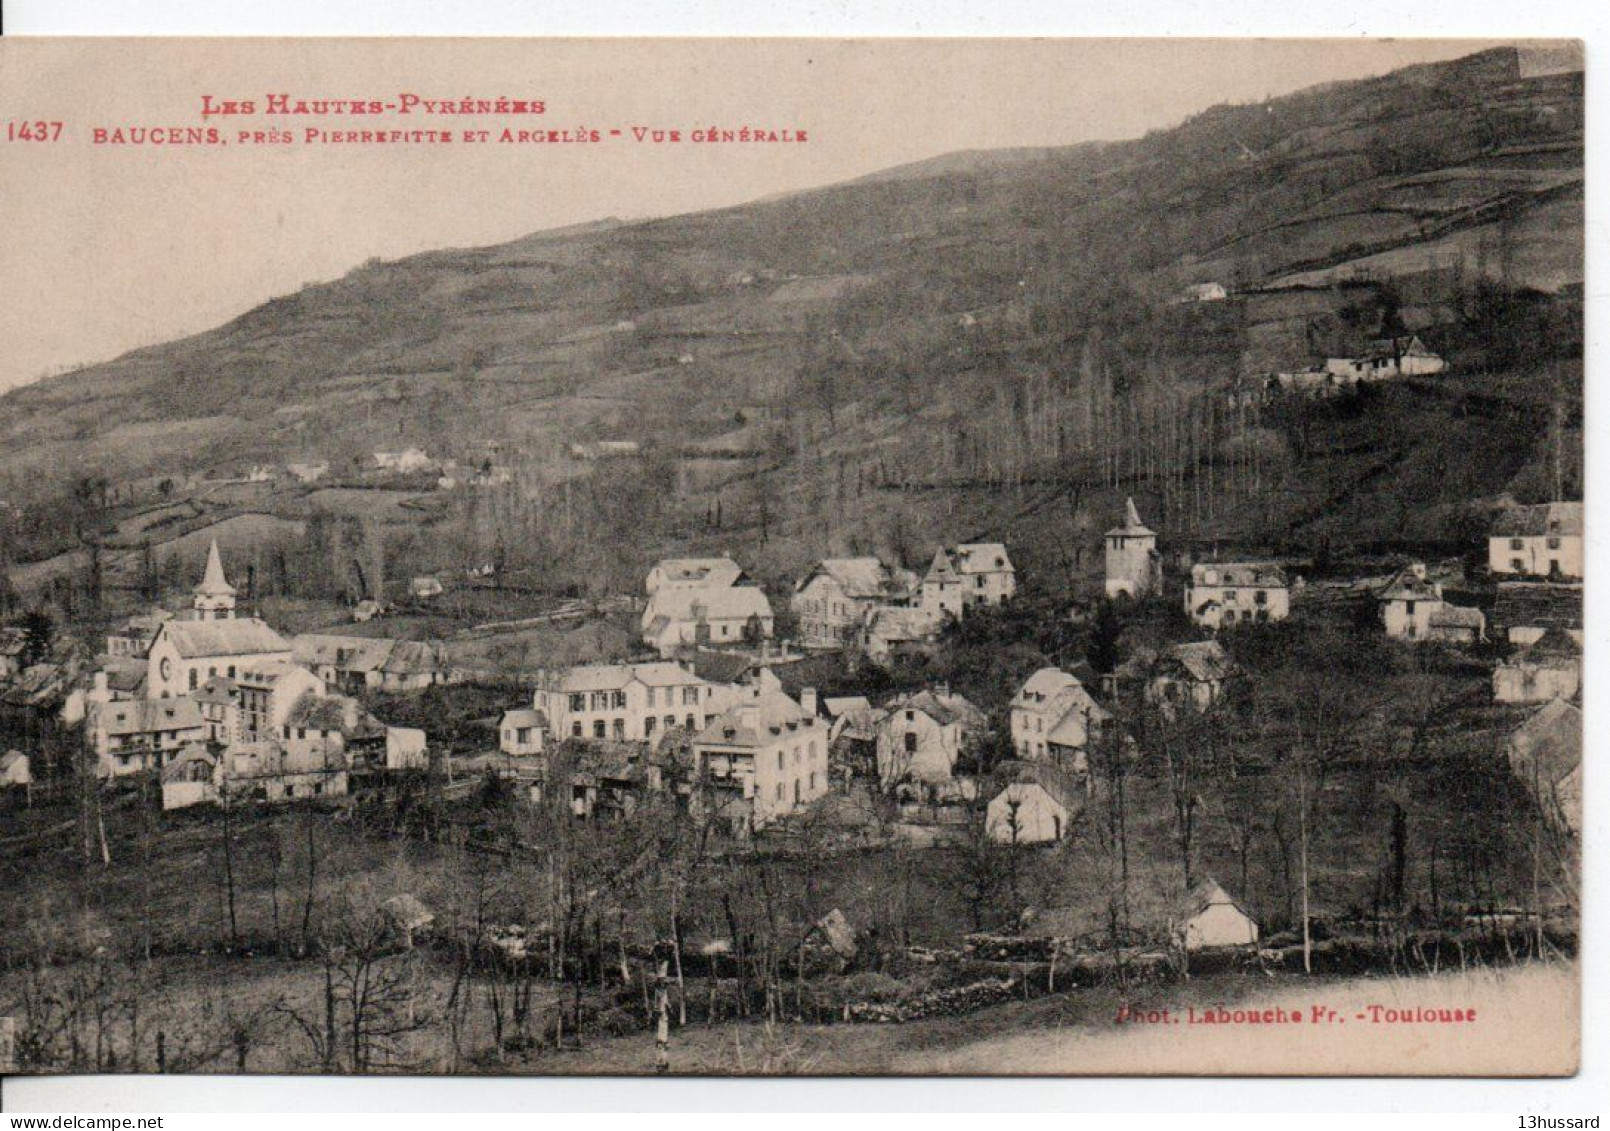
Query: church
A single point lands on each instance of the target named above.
(212, 641)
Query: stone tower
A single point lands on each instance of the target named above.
(1133, 567)
(214, 598)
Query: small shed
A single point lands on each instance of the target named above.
(425, 587)
(15, 769)
(1210, 917)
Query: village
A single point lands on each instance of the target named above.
(856, 736)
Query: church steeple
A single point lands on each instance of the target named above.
(214, 597)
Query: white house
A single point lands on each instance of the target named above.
(1386, 358)
(1537, 541)
(1210, 917)
(1221, 594)
(1549, 669)
(834, 600)
(131, 735)
(921, 736)
(1054, 703)
(676, 619)
(1133, 567)
(1412, 608)
(520, 732)
(628, 702)
(769, 752)
(15, 769)
(693, 573)
(972, 573)
(1036, 805)
(425, 587)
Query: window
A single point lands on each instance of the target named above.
(648, 725)
(911, 743)
(651, 697)
(598, 729)
(600, 700)
(1261, 598)
(231, 671)
(578, 701)
(619, 728)
(779, 761)
(617, 700)
(1554, 543)
(690, 722)
(670, 721)
(1516, 544)
(192, 679)
(690, 696)
(575, 729)
(779, 791)
(1408, 608)
(1517, 565)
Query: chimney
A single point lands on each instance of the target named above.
(749, 715)
(807, 700)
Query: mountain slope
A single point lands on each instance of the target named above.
(983, 318)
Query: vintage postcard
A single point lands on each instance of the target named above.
(791, 557)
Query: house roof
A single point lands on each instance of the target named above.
(11, 758)
(1407, 345)
(1554, 644)
(150, 716)
(1457, 616)
(1075, 710)
(1203, 661)
(738, 602)
(1063, 788)
(863, 578)
(981, 557)
(1266, 575)
(1409, 584)
(125, 676)
(614, 677)
(1133, 527)
(754, 722)
(1543, 518)
(267, 675)
(334, 712)
(1045, 683)
(346, 653)
(722, 667)
(1207, 893)
(247, 636)
(523, 717)
(899, 622)
(844, 704)
(713, 572)
(943, 708)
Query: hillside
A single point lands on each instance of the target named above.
(992, 335)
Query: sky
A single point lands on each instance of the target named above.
(109, 247)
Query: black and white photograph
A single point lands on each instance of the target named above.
(791, 557)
